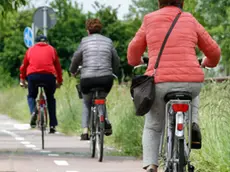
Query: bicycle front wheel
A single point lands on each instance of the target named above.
(42, 121)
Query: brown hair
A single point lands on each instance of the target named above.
(93, 25)
(177, 3)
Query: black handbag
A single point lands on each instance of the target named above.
(143, 87)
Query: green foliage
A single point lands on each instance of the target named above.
(7, 6)
(12, 47)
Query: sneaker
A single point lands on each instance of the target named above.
(108, 128)
(52, 130)
(85, 136)
(196, 136)
(33, 120)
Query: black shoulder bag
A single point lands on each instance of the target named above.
(143, 87)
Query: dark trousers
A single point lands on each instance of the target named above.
(105, 82)
(49, 82)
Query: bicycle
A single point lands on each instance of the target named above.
(176, 140)
(97, 123)
(41, 112)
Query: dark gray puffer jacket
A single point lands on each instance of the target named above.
(97, 56)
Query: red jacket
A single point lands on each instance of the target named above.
(41, 58)
(179, 61)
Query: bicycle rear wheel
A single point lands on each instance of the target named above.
(181, 157)
(92, 133)
(100, 130)
(99, 141)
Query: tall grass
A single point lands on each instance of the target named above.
(127, 128)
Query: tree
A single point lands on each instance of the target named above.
(139, 8)
(6, 5)
(69, 30)
(216, 16)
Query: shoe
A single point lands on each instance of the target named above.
(52, 130)
(85, 136)
(33, 120)
(196, 136)
(108, 128)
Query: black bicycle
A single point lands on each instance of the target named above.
(97, 123)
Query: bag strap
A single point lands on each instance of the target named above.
(165, 40)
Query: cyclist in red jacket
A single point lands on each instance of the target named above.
(41, 65)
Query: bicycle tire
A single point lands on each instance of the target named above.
(181, 163)
(100, 141)
(42, 127)
(92, 134)
(100, 128)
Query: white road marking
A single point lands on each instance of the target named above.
(30, 146)
(25, 143)
(10, 133)
(47, 151)
(36, 148)
(53, 155)
(19, 138)
(61, 163)
(22, 126)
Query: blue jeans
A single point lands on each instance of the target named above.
(49, 82)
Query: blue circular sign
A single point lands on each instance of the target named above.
(28, 37)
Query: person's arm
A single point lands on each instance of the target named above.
(208, 46)
(137, 46)
(58, 68)
(23, 67)
(115, 61)
(76, 60)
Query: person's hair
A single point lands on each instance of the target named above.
(41, 38)
(93, 25)
(177, 3)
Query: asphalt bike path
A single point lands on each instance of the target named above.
(20, 151)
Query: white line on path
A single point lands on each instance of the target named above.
(19, 138)
(22, 126)
(25, 143)
(30, 146)
(36, 148)
(61, 163)
(53, 155)
(45, 151)
(10, 133)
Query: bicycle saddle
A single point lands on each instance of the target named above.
(181, 95)
(97, 89)
(41, 85)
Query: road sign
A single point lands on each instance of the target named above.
(38, 17)
(28, 37)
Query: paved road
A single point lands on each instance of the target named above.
(20, 151)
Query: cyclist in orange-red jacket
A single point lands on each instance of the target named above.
(41, 65)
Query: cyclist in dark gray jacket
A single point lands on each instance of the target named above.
(99, 60)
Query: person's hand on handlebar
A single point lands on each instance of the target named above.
(58, 85)
(23, 83)
(201, 62)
